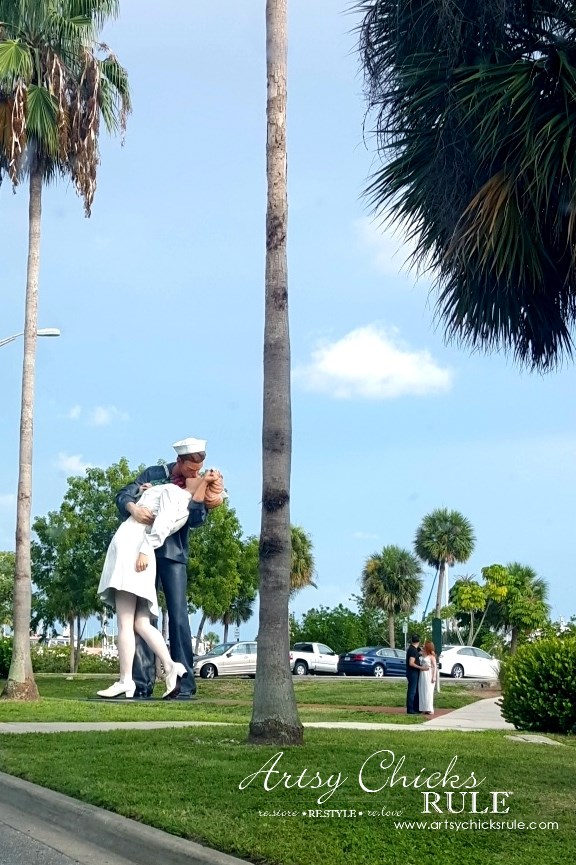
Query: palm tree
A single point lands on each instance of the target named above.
(391, 582)
(443, 538)
(274, 715)
(239, 612)
(302, 561)
(211, 639)
(56, 83)
(473, 105)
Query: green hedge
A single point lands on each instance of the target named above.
(539, 686)
(55, 659)
(5, 656)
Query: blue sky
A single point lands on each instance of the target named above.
(159, 298)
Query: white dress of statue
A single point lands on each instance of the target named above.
(426, 685)
(169, 503)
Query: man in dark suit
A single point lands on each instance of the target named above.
(171, 559)
(413, 667)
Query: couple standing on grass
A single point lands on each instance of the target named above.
(421, 672)
(158, 509)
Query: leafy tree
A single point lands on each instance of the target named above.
(524, 609)
(241, 608)
(274, 712)
(6, 588)
(443, 538)
(473, 104)
(70, 547)
(468, 598)
(216, 566)
(56, 84)
(391, 581)
(338, 627)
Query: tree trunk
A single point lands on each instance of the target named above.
(78, 652)
(514, 641)
(72, 642)
(225, 640)
(21, 684)
(392, 630)
(440, 590)
(164, 624)
(274, 713)
(199, 632)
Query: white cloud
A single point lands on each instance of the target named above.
(105, 415)
(372, 362)
(72, 464)
(74, 412)
(389, 248)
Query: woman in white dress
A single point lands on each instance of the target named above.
(427, 679)
(128, 581)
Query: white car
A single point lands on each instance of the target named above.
(227, 659)
(460, 661)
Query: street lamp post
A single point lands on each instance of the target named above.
(43, 331)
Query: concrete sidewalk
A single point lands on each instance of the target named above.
(41, 826)
(483, 715)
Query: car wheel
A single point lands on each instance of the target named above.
(208, 671)
(379, 671)
(457, 671)
(300, 668)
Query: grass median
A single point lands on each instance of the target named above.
(208, 785)
(371, 700)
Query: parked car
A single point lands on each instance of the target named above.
(460, 661)
(227, 659)
(375, 661)
(312, 658)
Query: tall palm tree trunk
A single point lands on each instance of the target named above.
(440, 590)
(199, 632)
(21, 684)
(392, 630)
(275, 716)
(72, 641)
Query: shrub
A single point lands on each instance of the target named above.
(539, 686)
(5, 656)
(56, 659)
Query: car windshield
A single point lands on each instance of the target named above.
(221, 649)
(361, 651)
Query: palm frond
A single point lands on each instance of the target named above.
(15, 63)
(42, 119)
(474, 118)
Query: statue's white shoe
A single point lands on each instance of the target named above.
(117, 689)
(174, 681)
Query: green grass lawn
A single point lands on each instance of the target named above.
(223, 700)
(187, 781)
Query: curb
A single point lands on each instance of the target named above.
(101, 830)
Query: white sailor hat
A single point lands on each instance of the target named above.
(189, 446)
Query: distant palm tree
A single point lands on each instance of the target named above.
(302, 565)
(211, 639)
(391, 582)
(57, 81)
(443, 538)
(239, 611)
